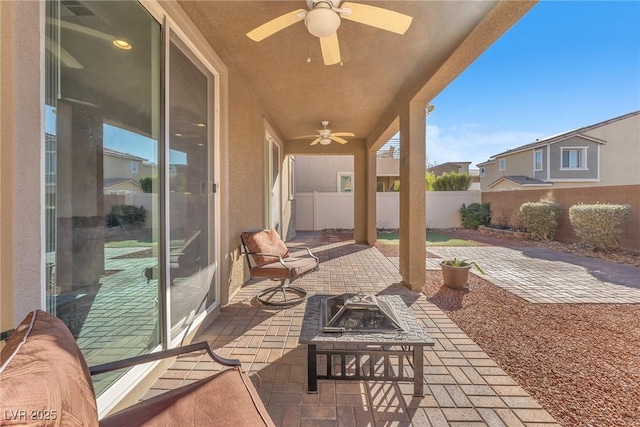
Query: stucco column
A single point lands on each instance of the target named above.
(372, 232)
(360, 196)
(413, 231)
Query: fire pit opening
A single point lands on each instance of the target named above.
(359, 313)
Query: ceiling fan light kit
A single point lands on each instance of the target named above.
(322, 22)
(323, 19)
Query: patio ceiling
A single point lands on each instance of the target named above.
(380, 69)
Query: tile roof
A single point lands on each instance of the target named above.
(521, 180)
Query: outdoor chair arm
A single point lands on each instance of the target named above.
(152, 357)
(292, 249)
(4, 335)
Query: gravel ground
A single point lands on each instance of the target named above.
(581, 362)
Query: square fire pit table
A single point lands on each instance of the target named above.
(360, 351)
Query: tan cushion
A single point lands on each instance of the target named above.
(44, 375)
(266, 242)
(227, 399)
(299, 266)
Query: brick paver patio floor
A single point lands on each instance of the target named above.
(539, 280)
(463, 386)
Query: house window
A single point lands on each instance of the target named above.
(502, 164)
(537, 160)
(134, 167)
(483, 172)
(574, 158)
(345, 182)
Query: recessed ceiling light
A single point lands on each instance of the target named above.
(177, 134)
(201, 125)
(122, 44)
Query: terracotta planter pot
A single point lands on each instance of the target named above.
(455, 277)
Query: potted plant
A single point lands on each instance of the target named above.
(455, 272)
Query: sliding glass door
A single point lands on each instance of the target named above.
(102, 131)
(190, 133)
(129, 183)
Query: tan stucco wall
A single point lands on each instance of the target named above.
(21, 265)
(620, 156)
(246, 172)
(320, 173)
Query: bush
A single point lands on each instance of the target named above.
(515, 221)
(540, 219)
(475, 215)
(599, 225)
(429, 177)
(452, 181)
(126, 215)
(148, 183)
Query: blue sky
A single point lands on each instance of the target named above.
(564, 65)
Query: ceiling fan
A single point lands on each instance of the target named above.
(323, 19)
(325, 136)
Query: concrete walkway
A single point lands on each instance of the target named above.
(463, 385)
(547, 276)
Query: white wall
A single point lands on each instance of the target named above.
(317, 211)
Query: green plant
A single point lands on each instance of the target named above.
(452, 181)
(125, 215)
(148, 183)
(540, 219)
(457, 262)
(599, 225)
(429, 178)
(475, 215)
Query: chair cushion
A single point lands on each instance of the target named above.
(44, 375)
(299, 266)
(266, 242)
(227, 399)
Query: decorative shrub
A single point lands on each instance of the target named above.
(429, 177)
(148, 183)
(599, 225)
(475, 215)
(515, 221)
(540, 219)
(126, 215)
(452, 181)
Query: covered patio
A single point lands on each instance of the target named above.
(463, 385)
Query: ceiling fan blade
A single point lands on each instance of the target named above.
(280, 23)
(343, 134)
(377, 17)
(338, 139)
(306, 136)
(330, 49)
(66, 59)
(315, 141)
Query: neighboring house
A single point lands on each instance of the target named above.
(125, 165)
(458, 167)
(336, 173)
(595, 163)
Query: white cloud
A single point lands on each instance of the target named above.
(471, 143)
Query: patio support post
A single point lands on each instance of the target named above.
(360, 211)
(372, 232)
(413, 231)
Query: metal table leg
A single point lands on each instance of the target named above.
(312, 369)
(418, 370)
